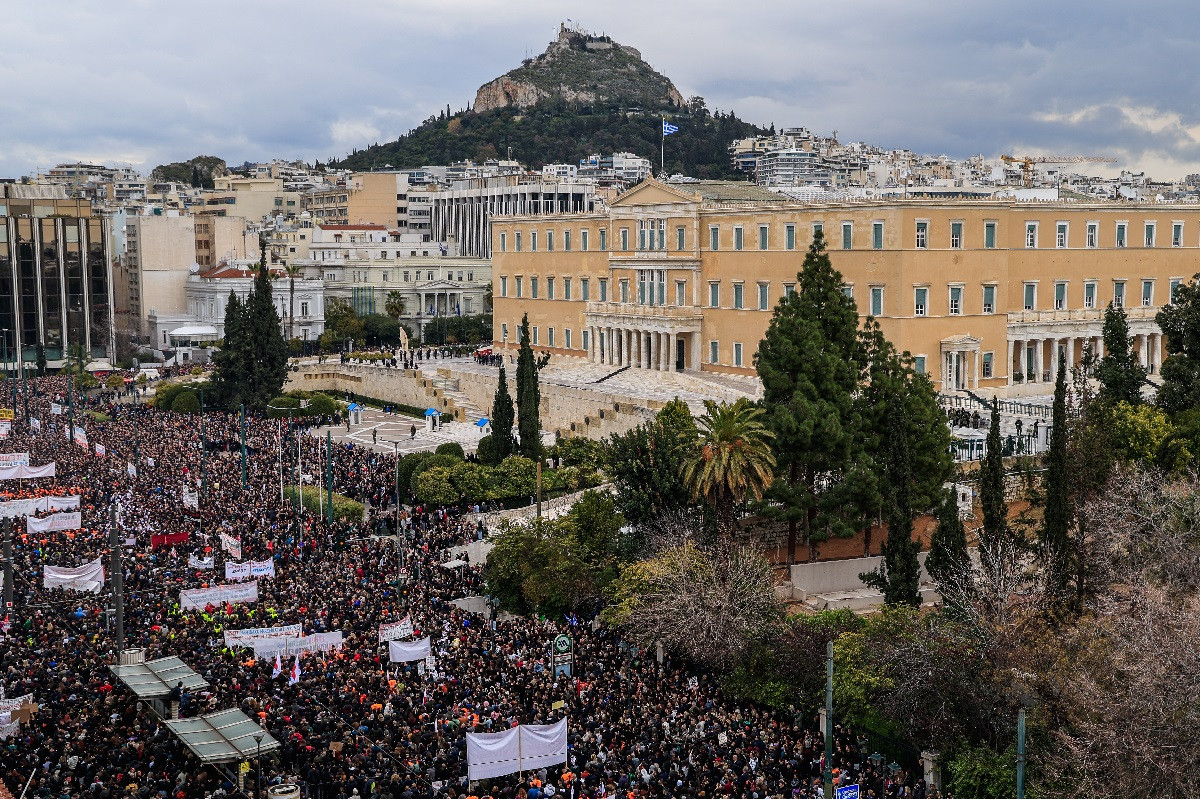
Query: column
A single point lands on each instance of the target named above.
(697, 350)
(628, 346)
(1157, 353)
(975, 357)
(1010, 362)
(1099, 347)
(1070, 354)
(652, 350)
(608, 341)
(671, 347)
(663, 353)
(1053, 360)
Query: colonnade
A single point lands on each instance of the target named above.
(627, 346)
(1037, 358)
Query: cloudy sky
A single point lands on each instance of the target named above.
(150, 82)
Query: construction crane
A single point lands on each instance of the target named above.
(1026, 162)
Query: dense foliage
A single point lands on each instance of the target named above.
(196, 172)
(253, 359)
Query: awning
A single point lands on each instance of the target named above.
(194, 331)
(227, 736)
(155, 679)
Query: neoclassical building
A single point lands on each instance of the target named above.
(982, 293)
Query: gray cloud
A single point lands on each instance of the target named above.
(148, 82)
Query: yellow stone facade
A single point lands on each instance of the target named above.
(982, 293)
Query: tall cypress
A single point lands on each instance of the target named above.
(502, 419)
(1120, 375)
(233, 361)
(948, 561)
(991, 478)
(270, 350)
(529, 397)
(899, 574)
(1056, 525)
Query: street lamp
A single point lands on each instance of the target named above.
(258, 766)
(876, 759)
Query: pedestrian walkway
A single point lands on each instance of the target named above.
(392, 432)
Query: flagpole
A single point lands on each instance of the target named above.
(662, 153)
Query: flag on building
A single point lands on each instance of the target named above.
(668, 128)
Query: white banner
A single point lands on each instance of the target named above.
(191, 499)
(26, 472)
(201, 563)
(56, 409)
(249, 636)
(101, 451)
(55, 521)
(523, 748)
(130, 469)
(35, 424)
(88, 577)
(306, 645)
(10, 729)
(25, 507)
(251, 568)
(13, 459)
(199, 598)
(406, 651)
(5, 428)
(9, 705)
(231, 545)
(395, 630)
(81, 437)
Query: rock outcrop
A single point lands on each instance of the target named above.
(582, 69)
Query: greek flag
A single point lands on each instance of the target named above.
(668, 128)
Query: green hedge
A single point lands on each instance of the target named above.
(288, 404)
(398, 407)
(343, 506)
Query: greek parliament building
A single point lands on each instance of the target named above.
(55, 286)
(982, 293)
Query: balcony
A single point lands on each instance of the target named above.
(1079, 315)
(663, 314)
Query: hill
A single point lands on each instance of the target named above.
(197, 172)
(586, 94)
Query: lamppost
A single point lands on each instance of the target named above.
(258, 766)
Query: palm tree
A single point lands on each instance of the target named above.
(291, 270)
(393, 306)
(732, 461)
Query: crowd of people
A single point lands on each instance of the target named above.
(353, 724)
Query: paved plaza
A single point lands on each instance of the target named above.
(392, 432)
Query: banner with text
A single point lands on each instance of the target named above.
(231, 545)
(395, 630)
(167, 539)
(26, 472)
(305, 645)
(200, 598)
(251, 568)
(8, 459)
(201, 564)
(249, 636)
(55, 521)
(25, 507)
(407, 651)
(88, 577)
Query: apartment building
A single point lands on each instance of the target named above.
(374, 198)
(983, 293)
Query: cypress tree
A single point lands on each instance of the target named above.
(948, 561)
(1056, 525)
(502, 419)
(991, 488)
(235, 359)
(529, 396)
(270, 350)
(1120, 375)
(1180, 323)
(898, 577)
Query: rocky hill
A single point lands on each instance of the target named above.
(581, 69)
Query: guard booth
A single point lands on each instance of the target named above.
(355, 411)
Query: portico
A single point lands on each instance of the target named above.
(658, 338)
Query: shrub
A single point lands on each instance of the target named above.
(451, 448)
(485, 450)
(343, 506)
(432, 486)
(580, 452)
(431, 462)
(186, 401)
(115, 381)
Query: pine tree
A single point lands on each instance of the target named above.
(948, 562)
(1120, 375)
(991, 488)
(898, 577)
(1055, 538)
(529, 397)
(811, 362)
(502, 419)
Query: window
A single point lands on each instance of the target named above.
(847, 235)
(533, 287)
(1119, 293)
(662, 234)
(714, 238)
(763, 301)
(1092, 234)
(818, 227)
(920, 301)
(587, 339)
(1031, 231)
(585, 286)
(919, 364)
(1176, 234)
(533, 241)
(520, 287)
(583, 240)
(1150, 234)
(549, 288)
(567, 244)
(789, 234)
(1089, 294)
(517, 236)
(550, 337)
(989, 235)
(642, 236)
(989, 299)
(1174, 286)
(713, 352)
(714, 295)
(956, 300)
(847, 291)
(535, 334)
(1147, 293)
(624, 238)
(679, 238)
(567, 335)
(956, 235)
(737, 295)
(385, 277)
(1060, 235)
(503, 242)
(624, 291)
(604, 239)
(680, 293)
(877, 301)
(737, 237)
(737, 353)
(1122, 227)
(566, 288)
(503, 285)
(603, 289)
(1060, 296)
(877, 235)
(763, 234)
(520, 334)
(504, 331)
(1030, 296)
(922, 235)
(304, 309)
(988, 360)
